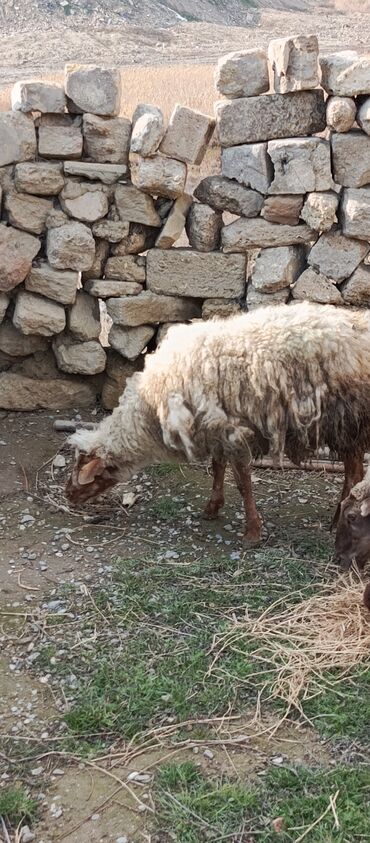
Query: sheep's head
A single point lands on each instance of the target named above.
(91, 476)
(352, 541)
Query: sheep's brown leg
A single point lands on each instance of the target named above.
(353, 473)
(253, 521)
(217, 499)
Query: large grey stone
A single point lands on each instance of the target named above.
(126, 268)
(21, 393)
(16, 344)
(84, 317)
(244, 234)
(351, 159)
(80, 358)
(356, 291)
(112, 230)
(37, 315)
(27, 212)
(106, 141)
(220, 308)
(284, 210)
(300, 165)
(226, 195)
(106, 288)
(17, 251)
(295, 63)
(58, 285)
(312, 286)
(277, 268)
(71, 246)
(84, 201)
(255, 119)
(149, 308)
(106, 173)
(337, 256)
(130, 342)
(17, 138)
(39, 177)
(4, 302)
(117, 372)
(38, 96)
(356, 213)
(93, 89)
(175, 222)
(135, 206)
(161, 176)
(256, 299)
(242, 74)
(320, 210)
(183, 272)
(59, 136)
(203, 227)
(363, 116)
(148, 130)
(187, 135)
(340, 113)
(248, 164)
(345, 74)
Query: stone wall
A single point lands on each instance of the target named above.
(95, 210)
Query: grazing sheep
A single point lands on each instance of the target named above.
(352, 541)
(281, 379)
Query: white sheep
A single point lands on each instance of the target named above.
(281, 379)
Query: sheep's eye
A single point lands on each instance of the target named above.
(352, 517)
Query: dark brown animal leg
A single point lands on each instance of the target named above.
(253, 521)
(217, 499)
(353, 473)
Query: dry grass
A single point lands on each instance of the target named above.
(354, 5)
(190, 85)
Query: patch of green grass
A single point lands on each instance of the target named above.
(343, 711)
(166, 508)
(16, 805)
(192, 808)
(163, 470)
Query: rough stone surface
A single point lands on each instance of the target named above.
(56, 218)
(242, 74)
(300, 165)
(255, 119)
(106, 141)
(106, 288)
(246, 234)
(135, 206)
(351, 159)
(16, 344)
(130, 342)
(60, 136)
(17, 251)
(340, 113)
(219, 308)
(93, 89)
(295, 63)
(97, 267)
(53, 283)
(175, 223)
(37, 315)
(80, 358)
(71, 246)
(345, 74)
(27, 212)
(226, 195)
(17, 138)
(356, 291)
(363, 116)
(106, 173)
(127, 268)
(320, 210)
(312, 286)
(18, 392)
(187, 135)
(161, 176)
(111, 230)
(86, 202)
(184, 272)
(356, 213)
(40, 178)
(249, 164)
(116, 374)
(150, 308)
(277, 268)
(148, 130)
(284, 210)
(257, 299)
(4, 301)
(84, 317)
(337, 256)
(139, 239)
(203, 227)
(38, 96)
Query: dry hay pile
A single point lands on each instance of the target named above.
(300, 647)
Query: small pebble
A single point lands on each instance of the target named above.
(208, 754)
(26, 835)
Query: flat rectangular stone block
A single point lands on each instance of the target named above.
(184, 272)
(256, 119)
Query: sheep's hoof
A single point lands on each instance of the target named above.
(211, 511)
(252, 538)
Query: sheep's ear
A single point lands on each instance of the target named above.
(365, 508)
(91, 470)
